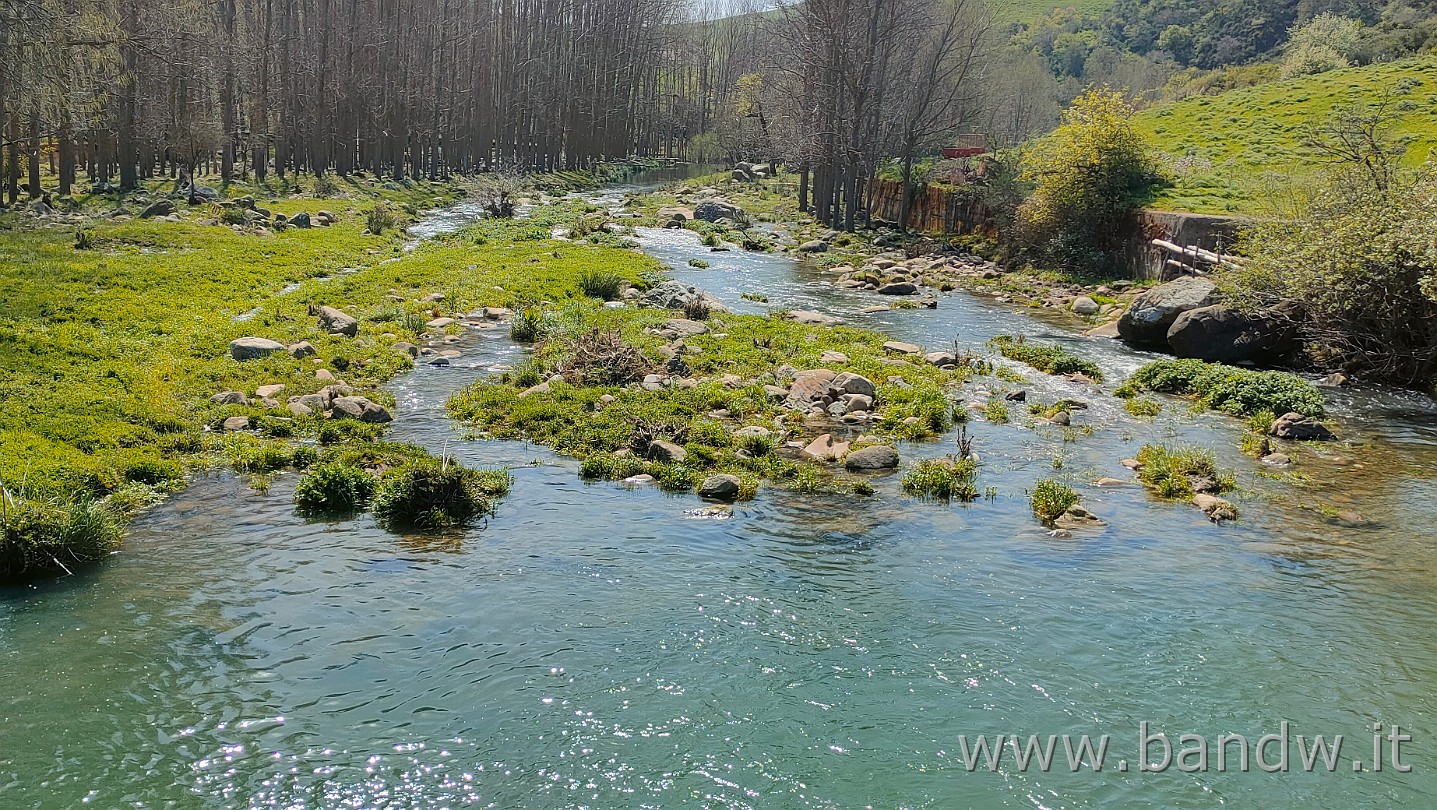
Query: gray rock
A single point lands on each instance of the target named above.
(812, 318)
(335, 322)
(752, 432)
(1219, 334)
(676, 295)
(268, 391)
(899, 347)
(857, 402)
(229, 398)
(1147, 321)
(359, 408)
(1061, 418)
(250, 348)
(1085, 306)
(682, 328)
(716, 209)
(1301, 428)
(870, 459)
(407, 347)
(667, 451)
(720, 488)
(813, 246)
(301, 349)
(300, 220)
(158, 208)
(438, 323)
(1217, 509)
(850, 383)
(833, 357)
(898, 288)
(808, 386)
(236, 423)
(940, 359)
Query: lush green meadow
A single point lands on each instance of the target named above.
(1242, 152)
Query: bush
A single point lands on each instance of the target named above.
(944, 479)
(380, 218)
(1046, 358)
(698, 309)
(325, 186)
(431, 495)
(1360, 257)
(1229, 389)
(39, 537)
(1051, 499)
(1090, 175)
(334, 487)
(605, 285)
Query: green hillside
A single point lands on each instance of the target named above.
(1230, 151)
(1024, 11)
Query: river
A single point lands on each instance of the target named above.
(595, 646)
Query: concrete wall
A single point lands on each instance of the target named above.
(1215, 233)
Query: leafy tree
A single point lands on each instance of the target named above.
(1089, 177)
(1326, 43)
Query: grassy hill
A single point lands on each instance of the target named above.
(1232, 151)
(1022, 11)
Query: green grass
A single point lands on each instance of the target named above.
(1229, 389)
(1047, 358)
(1050, 499)
(1030, 11)
(1245, 145)
(943, 479)
(1173, 472)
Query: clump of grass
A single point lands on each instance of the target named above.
(755, 297)
(432, 495)
(610, 467)
(334, 487)
(1229, 389)
(996, 411)
(698, 264)
(1051, 499)
(381, 218)
(604, 285)
(246, 454)
(1142, 406)
(44, 536)
(944, 479)
(698, 309)
(530, 325)
(1178, 473)
(758, 445)
(1046, 358)
(325, 186)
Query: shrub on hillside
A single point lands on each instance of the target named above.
(1361, 258)
(1089, 177)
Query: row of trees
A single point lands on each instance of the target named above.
(125, 89)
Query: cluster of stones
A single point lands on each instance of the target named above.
(336, 400)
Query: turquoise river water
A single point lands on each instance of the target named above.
(594, 646)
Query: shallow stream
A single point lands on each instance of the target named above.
(594, 646)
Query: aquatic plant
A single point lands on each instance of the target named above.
(1178, 473)
(49, 535)
(1229, 389)
(432, 495)
(1142, 406)
(946, 478)
(334, 487)
(996, 411)
(1046, 358)
(1051, 499)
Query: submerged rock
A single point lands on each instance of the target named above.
(1217, 509)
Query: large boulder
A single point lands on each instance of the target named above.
(1301, 428)
(871, 459)
(1147, 321)
(715, 209)
(336, 322)
(158, 208)
(250, 348)
(898, 288)
(850, 383)
(1219, 334)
